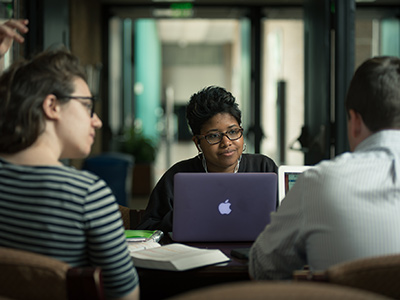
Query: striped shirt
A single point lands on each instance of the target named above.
(343, 209)
(67, 214)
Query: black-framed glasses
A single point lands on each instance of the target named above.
(89, 106)
(215, 138)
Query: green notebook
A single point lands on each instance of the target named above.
(143, 235)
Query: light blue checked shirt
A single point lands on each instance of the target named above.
(343, 209)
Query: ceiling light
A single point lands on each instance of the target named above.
(173, 1)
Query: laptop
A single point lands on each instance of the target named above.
(287, 176)
(222, 207)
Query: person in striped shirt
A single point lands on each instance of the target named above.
(47, 115)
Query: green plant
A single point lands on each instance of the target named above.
(137, 144)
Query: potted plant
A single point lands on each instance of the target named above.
(144, 150)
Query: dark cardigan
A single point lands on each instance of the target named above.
(158, 214)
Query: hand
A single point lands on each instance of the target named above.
(9, 33)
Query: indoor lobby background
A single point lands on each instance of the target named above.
(146, 58)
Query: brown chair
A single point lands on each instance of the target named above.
(30, 276)
(276, 290)
(130, 217)
(378, 274)
(125, 215)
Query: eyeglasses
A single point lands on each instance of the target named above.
(215, 138)
(89, 106)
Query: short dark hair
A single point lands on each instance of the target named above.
(208, 102)
(24, 86)
(374, 93)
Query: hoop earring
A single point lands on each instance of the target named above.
(244, 147)
(204, 162)
(200, 154)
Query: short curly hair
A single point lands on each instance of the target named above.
(208, 102)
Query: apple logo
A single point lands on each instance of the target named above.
(225, 207)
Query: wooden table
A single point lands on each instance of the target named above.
(157, 284)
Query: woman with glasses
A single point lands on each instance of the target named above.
(46, 115)
(215, 121)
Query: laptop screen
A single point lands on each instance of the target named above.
(287, 176)
(216, 207)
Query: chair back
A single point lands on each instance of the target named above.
(30, 276)
(275, 290)
(379, 274)
(125, 216)
(131, 217)
(116, 170)
(85, 284)
(376, 274)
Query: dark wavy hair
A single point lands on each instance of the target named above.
(208, 102)
(24, 86)
(374, 93)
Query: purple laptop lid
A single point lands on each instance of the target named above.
(222, 207)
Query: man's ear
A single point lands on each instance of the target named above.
(51, 107)
(355, 123)
(357, 130)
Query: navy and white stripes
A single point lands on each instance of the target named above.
(67, 214)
